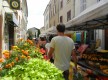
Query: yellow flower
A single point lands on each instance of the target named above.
(15, 47)
(23, 56)
(37, 50)
(30, 42)
(5, 51)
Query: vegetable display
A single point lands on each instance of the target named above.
(35, 69)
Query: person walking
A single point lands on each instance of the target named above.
(63, 47)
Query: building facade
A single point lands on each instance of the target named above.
(22, 17)
(46, 18)
(33, 33)
(9, 23)
(53, 13)
(66, 10)
(42, 30)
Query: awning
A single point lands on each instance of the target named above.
(94, 15)
(51, 30)
(11, 17)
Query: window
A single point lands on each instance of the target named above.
(61, 19)
(54, 11)
(68, 0)
(54, 1)
(98, 0)
(82, 5)
(69, 15)
(54, 23)
(61, 4)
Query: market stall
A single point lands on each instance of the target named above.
(93, 60)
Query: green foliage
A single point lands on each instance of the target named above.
(35, 69)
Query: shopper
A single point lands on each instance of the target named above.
(63, 47)
(47, 46)
(42, 42)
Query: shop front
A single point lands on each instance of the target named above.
(10, 23)
(93, 20)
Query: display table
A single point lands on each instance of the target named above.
(96, 71)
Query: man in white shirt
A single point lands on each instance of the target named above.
(63, 47)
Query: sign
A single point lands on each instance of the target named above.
(15, 4)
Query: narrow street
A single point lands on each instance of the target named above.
(53, 40)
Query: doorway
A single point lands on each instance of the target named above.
(11, 35)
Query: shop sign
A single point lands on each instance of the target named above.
(14, 4)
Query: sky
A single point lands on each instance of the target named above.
(36, 9)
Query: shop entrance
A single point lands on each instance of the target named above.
(11, 35)
(106, 39)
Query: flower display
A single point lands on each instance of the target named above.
(20, 53)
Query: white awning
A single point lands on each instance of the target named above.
(51, 30)
(8, 10)
(9, 13)
(95, 11)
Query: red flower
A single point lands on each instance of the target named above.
(45, 57)
(42, 51)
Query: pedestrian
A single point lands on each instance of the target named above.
(42, 42)
(47, 46)
(37, 42)
(63, 47)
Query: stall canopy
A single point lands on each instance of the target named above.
(94, 17)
